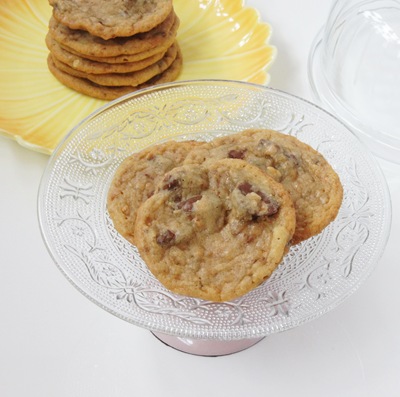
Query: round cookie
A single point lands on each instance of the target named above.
(215, 231)
(313, 185)
(94, 67)
(135, 180)
(124, 79)
(111, 18)
(86, 45)
(94, 90)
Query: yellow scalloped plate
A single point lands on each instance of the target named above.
(220, 39)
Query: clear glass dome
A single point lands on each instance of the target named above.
(354, 69)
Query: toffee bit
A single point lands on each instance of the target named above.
(264, 142)
(269, 147)
(237, 154)
(293, 158)
(187, 205)
(165, 238)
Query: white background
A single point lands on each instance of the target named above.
(55, 342)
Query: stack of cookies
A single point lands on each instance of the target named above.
(108, 48)
(212, 220)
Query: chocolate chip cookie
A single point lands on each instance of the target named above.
(313, 185)
(85, 65)
(87, 87)
(124, 79)
(135, 181)
(83, 43)
(215, 231)
(111, 18)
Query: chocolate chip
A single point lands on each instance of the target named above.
(237, 154)
(187, 205)
(165, 238)
(177, 198)
(171, 184)
(263, 196)
(245, 188)
(272, 206)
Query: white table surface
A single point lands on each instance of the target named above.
(55, 342)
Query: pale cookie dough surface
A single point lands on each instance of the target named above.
(313, 185)
(215, 231)
(111, 18)
(84, 44)
(135, 181)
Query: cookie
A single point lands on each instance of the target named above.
(111, 18)
(93, 67)
(313, 185)
(124, 58)
(94, 90)
(135, 180)
(124, 79)
(86, 45)
(215, 231)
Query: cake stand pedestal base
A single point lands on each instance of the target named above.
(205, 347)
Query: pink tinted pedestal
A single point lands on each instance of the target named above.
(204, 347)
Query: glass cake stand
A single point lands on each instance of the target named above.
(314, 277)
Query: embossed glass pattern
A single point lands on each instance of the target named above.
(314, 277)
